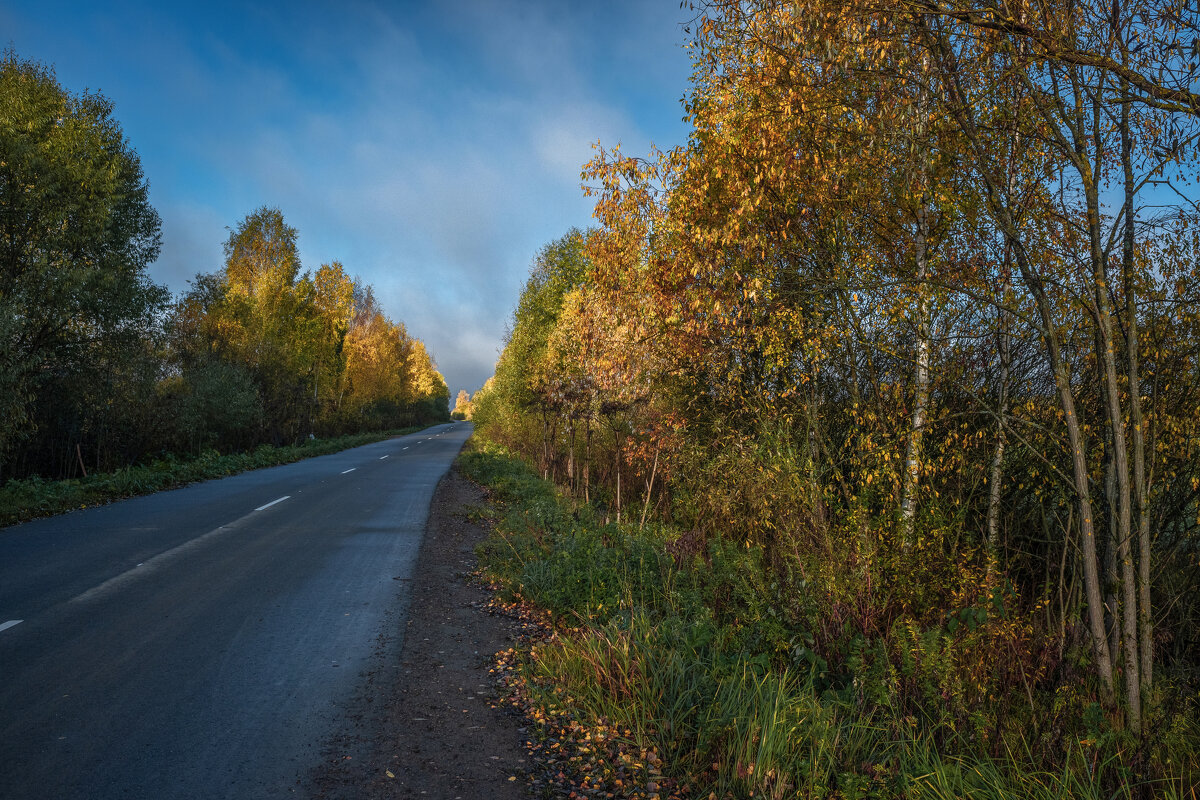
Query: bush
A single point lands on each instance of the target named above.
(750, 683)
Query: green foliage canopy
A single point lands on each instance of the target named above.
(99, 370)
(76, 234)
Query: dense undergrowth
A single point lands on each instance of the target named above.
(691, 657)
(28, 498)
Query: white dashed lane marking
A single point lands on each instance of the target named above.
(273, 502)
(6, 625)
(349, 470)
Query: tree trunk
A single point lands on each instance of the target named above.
(912, 461)
(1077, 444)
(996, 473)
(1120, 456)
(1111, 559)
(1112, 576)
(1001, 205)
(587, 459)
(1136, 420)
(571, 454)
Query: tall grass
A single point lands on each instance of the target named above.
(692, 660)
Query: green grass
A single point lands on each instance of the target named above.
(29, 498)
(694, 662)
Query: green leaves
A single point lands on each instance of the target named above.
(974, 617)
(78, 234)
(93, 367)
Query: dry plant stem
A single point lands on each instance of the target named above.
(587, 460)
(649, 490)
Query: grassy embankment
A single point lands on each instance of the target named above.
(663, 677)
(28, 498)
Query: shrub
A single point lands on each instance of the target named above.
(749, 680)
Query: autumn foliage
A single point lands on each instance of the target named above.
(294, 352)
(913, 314)
(101, 369)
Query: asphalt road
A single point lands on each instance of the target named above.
(205, 642)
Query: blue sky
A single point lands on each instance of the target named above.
(432, 148)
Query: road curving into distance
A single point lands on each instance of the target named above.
(204, 642)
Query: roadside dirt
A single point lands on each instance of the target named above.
(425, 726)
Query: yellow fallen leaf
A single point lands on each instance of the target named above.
(389, 774)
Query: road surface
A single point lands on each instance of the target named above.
(205, 642)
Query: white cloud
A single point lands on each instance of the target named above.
(192, 239)
(432, 148)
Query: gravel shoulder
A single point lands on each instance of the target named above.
(424, 726)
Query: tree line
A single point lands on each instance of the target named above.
(916, 311)
(101, 367)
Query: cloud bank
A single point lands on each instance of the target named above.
(432, 148)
